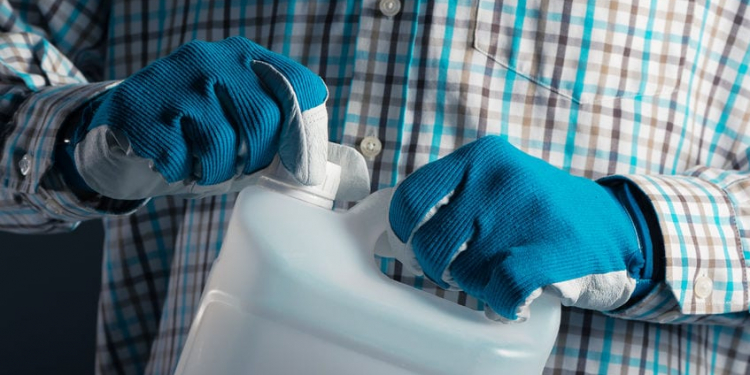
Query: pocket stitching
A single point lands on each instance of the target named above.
(514, 70)
(537, 82)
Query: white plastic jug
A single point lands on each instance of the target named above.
(296, 290)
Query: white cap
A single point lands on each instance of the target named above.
(277, 177)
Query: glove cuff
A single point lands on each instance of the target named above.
(71, 133)
(643, 217)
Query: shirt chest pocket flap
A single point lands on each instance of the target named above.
(581, 51)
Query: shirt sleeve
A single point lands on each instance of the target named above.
(704, 218)
(40, 87)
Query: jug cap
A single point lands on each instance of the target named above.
(276, 177)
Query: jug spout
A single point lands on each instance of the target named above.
(277, 178)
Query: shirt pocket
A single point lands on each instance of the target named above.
(584, 52)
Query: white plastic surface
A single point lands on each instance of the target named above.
(295, 290)
(278, 178)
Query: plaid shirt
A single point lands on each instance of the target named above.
(654, 90)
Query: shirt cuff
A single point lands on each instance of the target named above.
(28, 156)
(703, 257)
(646, 226)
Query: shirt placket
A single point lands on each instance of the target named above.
(374, 120)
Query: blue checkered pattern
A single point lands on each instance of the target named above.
(654, 90)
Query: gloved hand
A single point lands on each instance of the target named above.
(501, 225)
(203, 119)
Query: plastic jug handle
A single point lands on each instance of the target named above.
(371, 214)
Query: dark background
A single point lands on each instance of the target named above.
(49, 290)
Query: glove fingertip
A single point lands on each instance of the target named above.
(355, 177)
(490, 314)
(498, 310)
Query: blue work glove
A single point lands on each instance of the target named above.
(502, 226)
(203, 119)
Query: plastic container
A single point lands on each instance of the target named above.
(296, 290)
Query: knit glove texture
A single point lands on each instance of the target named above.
(504, 226)
(203, 119)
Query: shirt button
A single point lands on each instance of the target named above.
(703, 287)
(370, 147)
(669, 317)
(54, 206)
(24, 165)
(390, 8)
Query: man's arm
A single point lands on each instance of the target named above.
(703, 218)
(40, 86)
(505, 227)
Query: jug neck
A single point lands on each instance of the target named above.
(277, 178)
